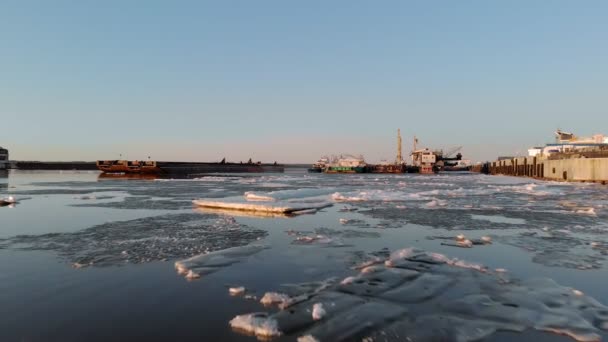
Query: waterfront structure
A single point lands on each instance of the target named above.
(4, 163)
(570, 158)
(568, 143)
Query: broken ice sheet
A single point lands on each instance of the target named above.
(206, 263)
(140, 202)
(142, 240)
(467, 218)
(416, 295)
(559, 248)
(328, 237)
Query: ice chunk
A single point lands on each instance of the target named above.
(588, 211)
(256, 323)
(280, 299)
(307, 338)
(190, 275)
(318, 312)
(465, 243)
(338, 197)
(7, 201)
(250, 196)
(236, 291)
(348, 280)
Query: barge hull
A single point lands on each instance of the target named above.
(183, 168)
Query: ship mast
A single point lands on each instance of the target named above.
(399, 156)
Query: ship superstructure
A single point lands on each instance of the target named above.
(320, 165)
(4, 163)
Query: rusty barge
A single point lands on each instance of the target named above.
(160, 168)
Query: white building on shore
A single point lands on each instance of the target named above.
(569, 143)
(3, 159)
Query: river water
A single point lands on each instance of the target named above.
(395, 257)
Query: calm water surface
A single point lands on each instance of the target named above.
(89, 258)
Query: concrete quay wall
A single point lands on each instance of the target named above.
(571, 170)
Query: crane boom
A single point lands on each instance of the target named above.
(450, 152)
(399, 155)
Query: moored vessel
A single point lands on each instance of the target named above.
(183, 168)
(347, 164)
(319, 166)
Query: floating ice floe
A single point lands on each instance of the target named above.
(461, 241)
(270, 298)
(392, 304)
(156, 238)
(338, 197)
(276, 207)
(588, 211)
(204, 264)
(7, 201)
(236, 291)
(465, 243)
(436, 203)
(318, 312)
(256, 323)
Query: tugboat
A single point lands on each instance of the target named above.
(347, 164)
(319, 166)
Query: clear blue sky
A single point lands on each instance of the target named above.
(292, 80)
